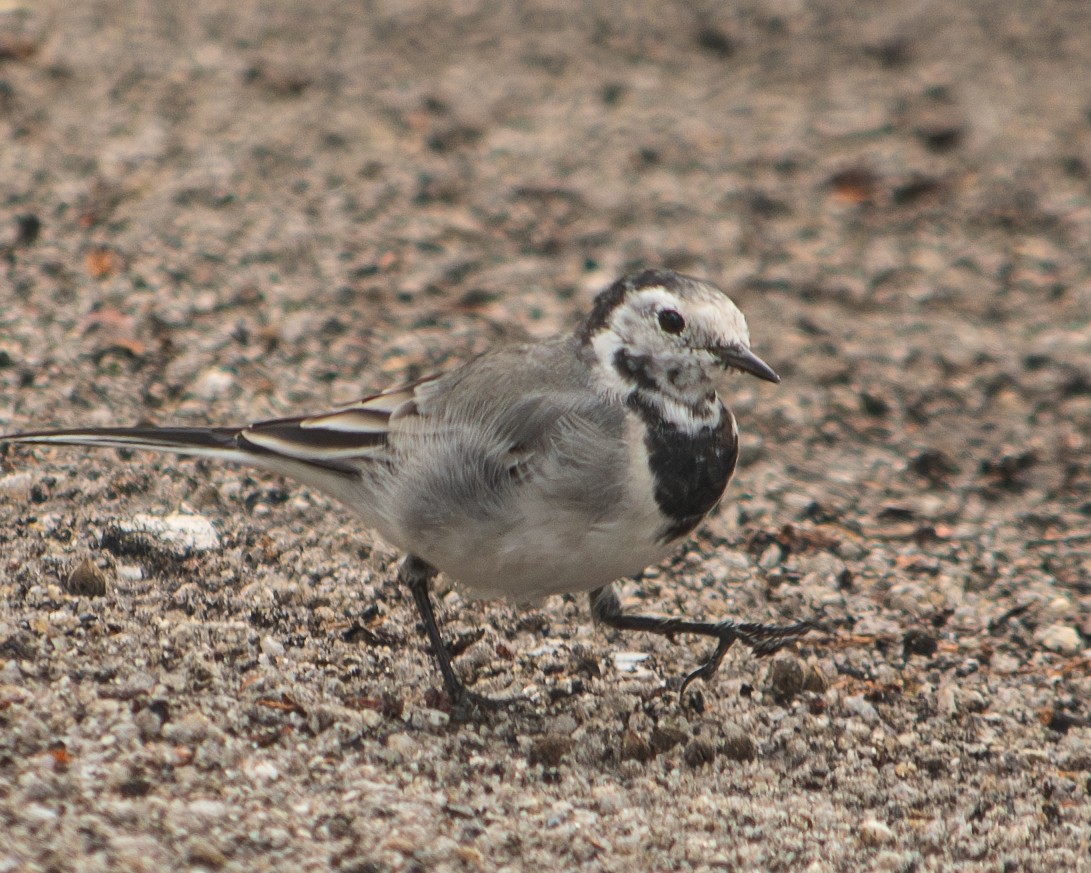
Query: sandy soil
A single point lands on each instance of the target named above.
(216, 211)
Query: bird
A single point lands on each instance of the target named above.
(549, 467)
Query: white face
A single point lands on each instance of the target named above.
(689, 327)
(649, 321)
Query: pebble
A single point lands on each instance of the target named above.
(896, 862)
(206, 808)
(192, 728)
(212, 383)
(632, 664)
(202, 851)
(370, 718)
(815, 679)
(402, 744)
(262, 771)
(1061, 638)
(737, 744)
(862, 709)
(272, 647)
(430, 718)
(875, 833)
(129, 572)
(179, 535)
(785, 679)
(148, 723)
(771, 557)
(609, 801)
(86, 580)
(38, 813)
(699, 752)
(634, 747)
(549, 749)
(16, 484)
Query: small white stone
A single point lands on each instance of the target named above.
(130, 572)
(736, 564)
(947, 699)
(297, 326)
(179, 533)
(1061, 638)
(628, 662)
(862, 709)
(1004, 664)
(610, 803)
(10, 674)
(875, 833)
(771, 557)
(403, 744)
(207, 809)
(371, 718)
(278, 838)
(212, 383)
(36, 812)
(893, 861)
(262, 771)
(16, 484)
(11, 864)
(436, 718)
(272, 646)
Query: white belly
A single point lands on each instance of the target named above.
(541, 547)
(553, 555)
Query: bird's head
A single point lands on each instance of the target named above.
(659, 330)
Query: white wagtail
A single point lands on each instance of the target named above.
(556, 466)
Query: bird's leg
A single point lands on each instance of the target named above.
(763, 639)
(417, 575)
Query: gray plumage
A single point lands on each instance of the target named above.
(541, 468)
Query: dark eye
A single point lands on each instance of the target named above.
(671, 321)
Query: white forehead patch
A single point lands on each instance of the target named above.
(711, 313)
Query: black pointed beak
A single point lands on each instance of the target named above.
(743, 359)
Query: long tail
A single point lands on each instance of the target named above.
(329, 450)
(327, 459)
(222, 443)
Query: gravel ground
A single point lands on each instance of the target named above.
(218, 211)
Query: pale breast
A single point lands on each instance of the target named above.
(541, 546)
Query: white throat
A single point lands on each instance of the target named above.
(675, 389)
